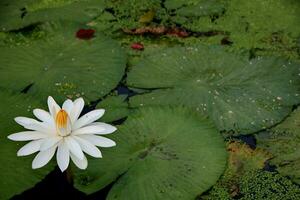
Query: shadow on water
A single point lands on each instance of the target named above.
(248, 139)
(54, 186)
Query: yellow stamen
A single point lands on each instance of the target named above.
(61, 119)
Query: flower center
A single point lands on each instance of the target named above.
(62, 123)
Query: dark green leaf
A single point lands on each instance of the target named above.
(161, 153)
(238, 94)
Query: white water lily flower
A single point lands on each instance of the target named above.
(62, 129)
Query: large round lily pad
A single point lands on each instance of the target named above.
(237, 93)
(16, 172)
(63, 66)
(17, 14)
(161, 153)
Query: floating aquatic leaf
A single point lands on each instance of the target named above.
(195, 7)
(236, 93)
(17, 14)
(16, 172)
(161, 153)
(63, 66)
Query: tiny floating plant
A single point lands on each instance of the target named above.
(62, 129)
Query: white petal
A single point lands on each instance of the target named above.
(98, 140)
(96, 128)
(92, 129)
(53, 106)
(30, 148)
(81, 164)
(43, 157)
(27, 135)
(74, 147)
(76, 110)
(35, 125)
(107, 128)
(49, 142)
(88, 147)
(44, 116)
(63, 156)
(24, 121)
(88, 118)
(68, 106)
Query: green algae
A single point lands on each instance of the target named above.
(256, 185)
(266, 27)
(245, 178)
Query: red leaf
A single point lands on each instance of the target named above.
(85, 34)
(137, 46)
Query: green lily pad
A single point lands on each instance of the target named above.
(192, 8)
(116, 107)
(283, 141)
(16, 172)
(238, 94)
(161, 153)
(17, 14)
(63, 66)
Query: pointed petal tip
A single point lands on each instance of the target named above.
(68, 101)
(15, 137)
(79, 102)
(17, 119)
(85, 166)
(62, 169)
(113, 143)
(114, 129)
(50, 99)
(79, 99)
(10, 137)
(34, 166)
(102, 110)
(20, 153)
(98, 156)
